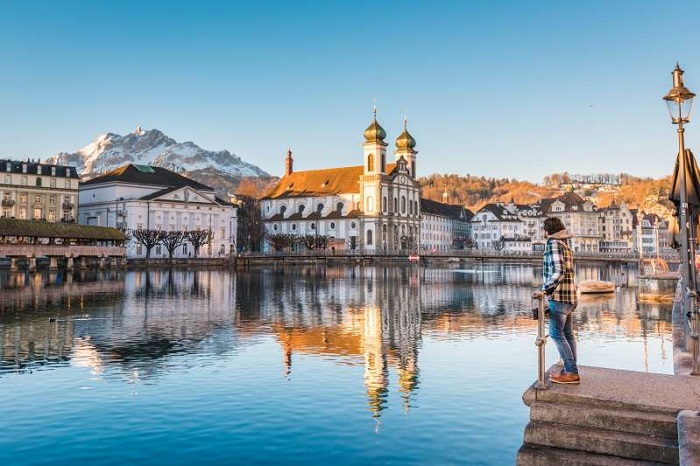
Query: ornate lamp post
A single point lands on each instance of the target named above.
(680, 103)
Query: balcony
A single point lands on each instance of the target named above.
(68, 206)
(8, 202)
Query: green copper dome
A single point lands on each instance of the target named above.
(405, 141)
(374, 132)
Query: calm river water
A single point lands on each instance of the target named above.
(348, 365)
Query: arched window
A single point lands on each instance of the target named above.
(396, 205)
(383, 163)
(384, 204)
(370, 162)
(369, 238)
(283, 209)
(403, 204)
(319, 207)
(339, 206)
(301, 208)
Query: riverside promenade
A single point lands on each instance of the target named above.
(617, 417)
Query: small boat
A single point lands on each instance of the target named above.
(414, 258)
(596, 286)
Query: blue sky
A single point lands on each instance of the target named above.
(506, 89)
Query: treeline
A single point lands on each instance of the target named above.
(476, 191)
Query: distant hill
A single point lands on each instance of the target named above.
(474, 192)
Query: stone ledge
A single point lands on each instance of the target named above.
(689, 437)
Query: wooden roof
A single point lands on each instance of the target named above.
(329, 181)
(38, 229)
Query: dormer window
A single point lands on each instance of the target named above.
(24, 168)
(38, 169)
(53, 171)
(8, 166)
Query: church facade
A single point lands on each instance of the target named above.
(373, 207)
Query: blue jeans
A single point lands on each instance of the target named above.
(561, 330)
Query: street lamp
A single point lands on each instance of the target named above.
(680, 103)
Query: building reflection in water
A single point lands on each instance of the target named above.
(372, 318)
(368, 316)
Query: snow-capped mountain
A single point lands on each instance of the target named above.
(152, 147)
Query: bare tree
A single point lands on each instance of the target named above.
(172, 240)
(148, 238)
(199, 238)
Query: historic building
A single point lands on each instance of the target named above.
(142, 197)
(444, 227)
(617, 229)
(374, 207)
(581, 218)
(36, 191)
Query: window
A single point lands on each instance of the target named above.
(53, 171)
(283, 209)
(370, 204)
(139, 249)
(353, 224)
(37, 199)
(184, 249)
(67, 184)
(52, 215)
(313, 226)
(52, 199)
(384, 204)
(369, 238)
(294, 227)
(38, 169)
(23, 197)
(158, 249)
(403, 204)
(25, 181)
(332, 225)
(301, 208)
(223, 233)
(339, 206)
(24, 168)
(370, 162)
(52, 183)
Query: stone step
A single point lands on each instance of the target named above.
(609, 418)
(602, 441)
(537, 455)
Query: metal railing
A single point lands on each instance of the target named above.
(692, 325)
(540, 342)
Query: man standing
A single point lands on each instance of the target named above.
(558, 278)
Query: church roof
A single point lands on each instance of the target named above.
(324, 182)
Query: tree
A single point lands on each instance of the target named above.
(148, 238)
(199, 238)
(172, 240)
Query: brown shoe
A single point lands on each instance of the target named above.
(566, 378)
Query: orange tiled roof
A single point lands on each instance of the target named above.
(322, 182)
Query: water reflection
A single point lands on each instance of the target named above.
(135, 325)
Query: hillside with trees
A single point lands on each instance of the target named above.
(474, 191)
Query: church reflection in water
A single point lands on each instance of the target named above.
(372, 318)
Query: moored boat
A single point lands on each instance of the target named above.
(596, 286)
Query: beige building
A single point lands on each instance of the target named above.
(37, 191)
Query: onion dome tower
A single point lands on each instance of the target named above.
(374, 147)
(405, 147)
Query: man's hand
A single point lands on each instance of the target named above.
(539, 294)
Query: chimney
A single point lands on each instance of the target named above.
(288, 163)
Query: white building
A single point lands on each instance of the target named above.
(141, 197)
(580, 217)
(37, 191)
(617, 229)
(374, 207)
(493, 224)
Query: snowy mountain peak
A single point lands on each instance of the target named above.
(152, 147)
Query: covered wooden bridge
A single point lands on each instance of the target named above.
(28, 240)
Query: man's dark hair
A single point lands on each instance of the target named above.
(553, 225)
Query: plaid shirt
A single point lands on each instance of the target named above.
(558, 269)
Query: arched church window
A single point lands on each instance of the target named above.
(384, 204)
(396, 205)
(403, 204)
(370, 162)
(383, 163)
(339, 206)
(369, 238)
(319, 207)
(283, 209)
(301, 208)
